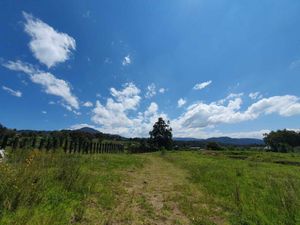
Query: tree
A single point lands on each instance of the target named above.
(213, 146)
(282, 140)
(4, 141)
(161, 135)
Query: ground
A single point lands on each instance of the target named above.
(152, 194)
(148, 194)
(183, 187)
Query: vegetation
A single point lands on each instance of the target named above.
(40, 187)
(282, 140)
(236, 191)
(182, 187)
(161, 135)
(213, 146)
(41, 184)
(70, 141)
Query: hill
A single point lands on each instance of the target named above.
(225, 140)
(88, 130)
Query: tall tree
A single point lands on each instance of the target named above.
(161, 135)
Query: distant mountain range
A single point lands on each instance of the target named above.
(226, 140)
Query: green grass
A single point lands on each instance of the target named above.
(205, 187)
(248, 191)
(57, 188)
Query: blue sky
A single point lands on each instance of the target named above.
(212, 68)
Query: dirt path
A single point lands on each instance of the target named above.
(148, 195)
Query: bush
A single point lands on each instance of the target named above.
(213, 146)
(36, 179)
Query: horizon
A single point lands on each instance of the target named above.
(79, 128)
(225, 69)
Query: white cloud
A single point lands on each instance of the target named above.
(255, 95)
(20, 66)
(44, 112)
(126, 60)
(202, 85)
(114, 113)
(181, 102)
(48, 45)
(48, 81)
(129, 97)
(119, 115)
(88, 104)
(201, 115)
(151, 91)
(230, 96)
(55, 86)
(162, 90)
(12, 92)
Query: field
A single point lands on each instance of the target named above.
(182, 187)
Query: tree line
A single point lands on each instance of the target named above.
(70, 141)
(282, 140)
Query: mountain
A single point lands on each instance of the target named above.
(98, 134)
(226, 140)
(88, 130)
(236, 141)
(187, 139)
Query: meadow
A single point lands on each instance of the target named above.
(178, 187)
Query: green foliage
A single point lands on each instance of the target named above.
(244, 191)
(161, 135)
(213, 146)
(282, 140)
(163, 151)
(37, 187)
(69, 140)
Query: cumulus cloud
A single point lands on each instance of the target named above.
(48, 81)
(255, 95)
(202, 85)
(119, 114)
(126, 60)
(12, 92)
(88, 104)
(201, 115)
(162, 90)
(230, 96)
(181, 102)
(151, 91)
(114, 113)
(47, 45)
(128, 98)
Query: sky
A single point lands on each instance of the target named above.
(210, 67)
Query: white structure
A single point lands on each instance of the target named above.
(2, 154)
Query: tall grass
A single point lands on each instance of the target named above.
(246, 192)
(54, 188)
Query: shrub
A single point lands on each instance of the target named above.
(213, 146)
